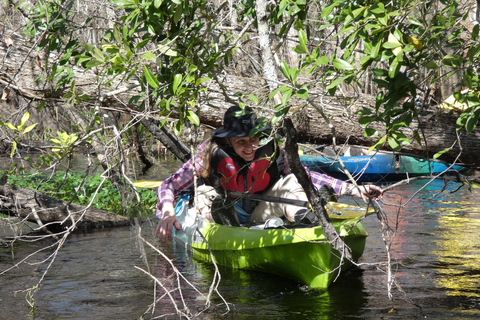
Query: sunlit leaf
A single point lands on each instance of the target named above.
(393, 143)
(24, 120)
(166, 50)
(252, 98)
(378, 144)
(10, 126)
(14, 147)
(147, 183)
(302, 94)
(151, 79)
(177, 80)
(29, 128)
(370, 132)
(438, 154)
(149, 56)
(193, 117)
(342, 64)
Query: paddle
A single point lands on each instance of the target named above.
(251, 196)
(261, 197)
(337, 210)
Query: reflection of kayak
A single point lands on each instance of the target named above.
(302, 254)
(376, 167)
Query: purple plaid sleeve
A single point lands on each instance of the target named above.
(181, 180)
(318, 179)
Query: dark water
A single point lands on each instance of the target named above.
(435, 261)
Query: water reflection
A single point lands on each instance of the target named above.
(435, 256)
(458, 263)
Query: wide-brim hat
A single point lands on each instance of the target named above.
(237, 122)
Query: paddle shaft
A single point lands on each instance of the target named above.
(261, 197)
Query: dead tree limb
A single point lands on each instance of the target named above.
(317, 202)
(52, 213)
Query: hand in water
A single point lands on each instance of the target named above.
(166, 223)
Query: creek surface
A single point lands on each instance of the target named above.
(435, 258)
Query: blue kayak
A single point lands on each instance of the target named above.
(379, 167)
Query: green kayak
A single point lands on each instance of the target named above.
(302, 254)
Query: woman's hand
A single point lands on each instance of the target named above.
(370, 191)
(167, 222)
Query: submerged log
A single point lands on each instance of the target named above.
(54, 214)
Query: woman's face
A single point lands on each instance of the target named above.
(245, 147)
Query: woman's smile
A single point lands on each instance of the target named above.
(245, 147)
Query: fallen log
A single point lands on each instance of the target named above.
(55, 214)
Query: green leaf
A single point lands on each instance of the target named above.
(201, 80)
(95, 52)
(367, 120)
(24, 120)
(178, 11)
(149, 56)
(364, 112)
(369, 132)
(110, 48)
(391, 45)
(252, 98)
(378, 144)
(93, 63)
(471, 123)
(14, 146)
(29, 128)
(302, 93)
(394, 69)
(143, 43)
(327, 10)
(287, 95)
(300, 49)
(117, 34)
(342, 64)
(167, 51)
(438, 154)
(302, 38)
(475, 32)
(452, 60)
(278, 115)
(338, 81)
(431, 65)
(394, 144)
(151, 79)
(11, 126)
(193, 117)
(323, 60)
(376, 49)
(177, 80)
(415, 22)
(416, 136)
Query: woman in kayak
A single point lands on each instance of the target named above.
(232, 160)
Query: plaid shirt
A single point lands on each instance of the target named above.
(182, 179)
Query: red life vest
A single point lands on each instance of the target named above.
(233, 173)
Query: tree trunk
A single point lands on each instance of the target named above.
(54, 214)
(317, 202)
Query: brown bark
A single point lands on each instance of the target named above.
(317, 202)
(55, 214)
(173, 144)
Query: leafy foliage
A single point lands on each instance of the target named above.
(19, 130)
(404, 45)
(72, 187)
